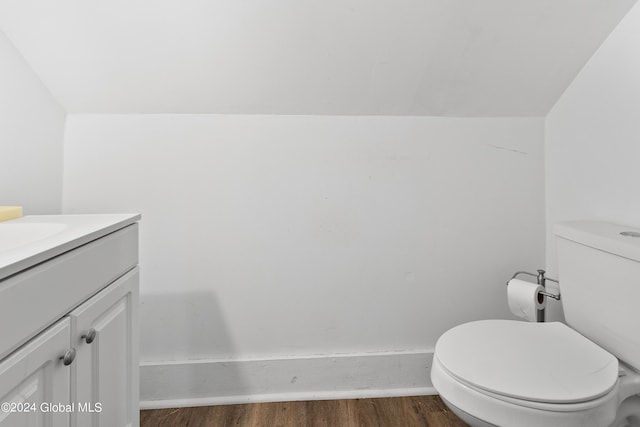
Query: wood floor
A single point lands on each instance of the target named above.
(388, 412)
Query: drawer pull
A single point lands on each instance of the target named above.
(68, 357)
(89, 336)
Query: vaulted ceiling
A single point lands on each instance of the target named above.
(346, 57)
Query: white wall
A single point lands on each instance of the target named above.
(31, 137)
(290, 236)
(593, 138)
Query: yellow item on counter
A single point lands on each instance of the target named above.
(10, 212)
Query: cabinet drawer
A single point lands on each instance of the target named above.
(35, 298)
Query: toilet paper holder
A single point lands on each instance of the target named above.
(541, 279)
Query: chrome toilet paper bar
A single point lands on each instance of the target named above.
(541, 279)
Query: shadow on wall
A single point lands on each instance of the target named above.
(186, 348)
(171, 377)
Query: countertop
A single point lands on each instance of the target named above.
(30, 240)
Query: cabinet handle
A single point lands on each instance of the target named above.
(89, 336)
(68, 357)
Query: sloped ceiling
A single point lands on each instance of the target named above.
(353, 57)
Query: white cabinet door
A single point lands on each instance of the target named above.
(35, 383)
(105, 379)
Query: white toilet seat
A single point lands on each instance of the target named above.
(512, 373)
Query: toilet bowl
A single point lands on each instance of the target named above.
(513, 373)
(585, 373)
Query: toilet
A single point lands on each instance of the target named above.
(584, 373)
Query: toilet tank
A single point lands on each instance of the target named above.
(599, 274)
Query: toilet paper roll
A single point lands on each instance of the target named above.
(525, 299)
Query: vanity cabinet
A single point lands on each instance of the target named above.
(69, 337)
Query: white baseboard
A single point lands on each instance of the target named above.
(217, 382)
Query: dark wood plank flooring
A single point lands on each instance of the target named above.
(387, 412)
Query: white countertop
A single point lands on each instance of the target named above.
(30, 240)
